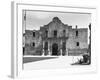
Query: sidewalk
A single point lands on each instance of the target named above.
(60, 62)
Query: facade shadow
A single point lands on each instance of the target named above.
(34, 59)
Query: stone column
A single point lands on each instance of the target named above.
(43, 48)
(48, 48)
(61, 48)
(66, 51)
(51, 49)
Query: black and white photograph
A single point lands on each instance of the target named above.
(55, 39)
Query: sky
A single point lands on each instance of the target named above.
(35, 19)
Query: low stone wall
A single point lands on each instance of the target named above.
(76, 52)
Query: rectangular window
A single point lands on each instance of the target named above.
(33, 34)
(55, 33)
(33, 44)
(76, 33)
(64, 33)
(46, 33)
(77, 43)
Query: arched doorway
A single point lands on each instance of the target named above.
(55, 49)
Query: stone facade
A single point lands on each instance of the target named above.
(56, 38)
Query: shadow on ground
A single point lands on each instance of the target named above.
(34, 59)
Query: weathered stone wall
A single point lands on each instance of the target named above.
(82, 38)
(69, 37)
(29, 39)
(57, 25)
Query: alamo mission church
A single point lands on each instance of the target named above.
(56, 39)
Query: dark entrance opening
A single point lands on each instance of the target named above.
(55, 49)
